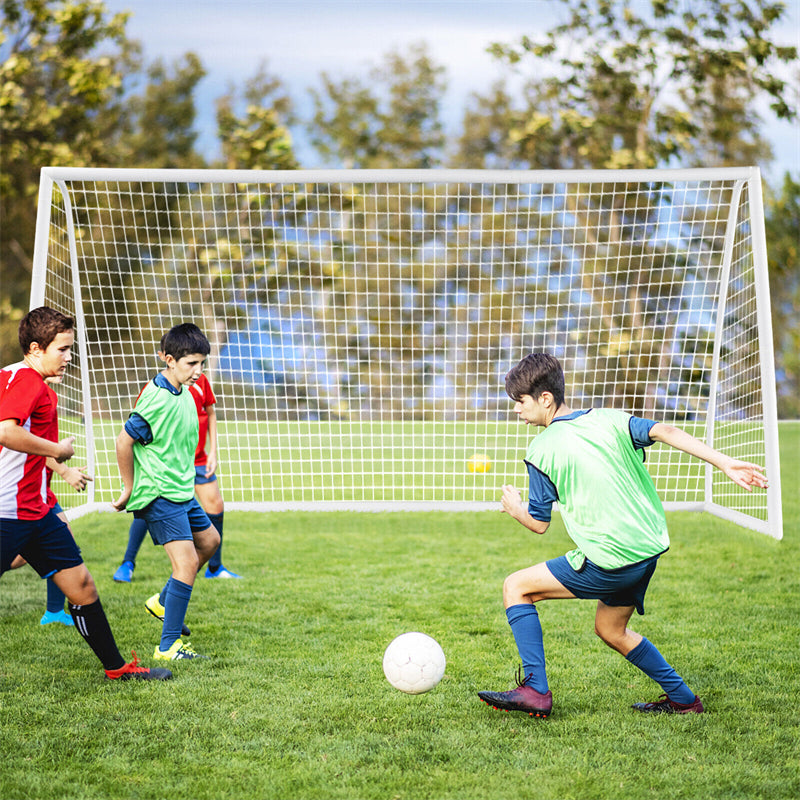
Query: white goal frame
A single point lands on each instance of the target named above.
(358, 361)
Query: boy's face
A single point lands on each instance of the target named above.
(185, 370)
(533, 411)
(51, 363)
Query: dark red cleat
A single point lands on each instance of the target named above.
(524, 698)
(666, 706)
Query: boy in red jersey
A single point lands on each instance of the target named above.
(75, 477)
(28, 525)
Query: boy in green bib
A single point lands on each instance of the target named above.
(592, 463)
(155, 453)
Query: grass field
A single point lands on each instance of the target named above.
(293, 703)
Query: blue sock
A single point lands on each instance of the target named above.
(177, 601)
(215, 562)
(646, 656)
(55, 597)
(136, 536)
(524, 621)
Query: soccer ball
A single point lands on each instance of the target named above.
(414, 663)
(479, 463)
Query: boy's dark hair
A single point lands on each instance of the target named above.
(536, 373)
(42, 325)
(184, 340)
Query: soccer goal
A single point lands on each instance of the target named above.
(362, 322)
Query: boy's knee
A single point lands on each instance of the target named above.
(78, 585)
(512, 590)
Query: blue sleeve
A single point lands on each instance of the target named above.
(640, 432)
(138, 429)
(541, 494)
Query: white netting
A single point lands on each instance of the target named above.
(362, 327)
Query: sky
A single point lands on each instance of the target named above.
(300, 39)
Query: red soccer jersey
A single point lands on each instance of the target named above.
(26, 398)
(203, 396)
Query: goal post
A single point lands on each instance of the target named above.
(362, 322)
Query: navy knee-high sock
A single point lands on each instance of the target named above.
(55, 597)
(175, 604)
(215, 562)
(524, 621)
(136, 534)
(646, 656)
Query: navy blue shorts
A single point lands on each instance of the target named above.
(200, 475)
(625, 586)
(46, 544)
(171, 522)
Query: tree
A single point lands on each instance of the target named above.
(783, 251)
(260, 139)
(160, 121)
(633, 84)
(61, 86)
(393, 120)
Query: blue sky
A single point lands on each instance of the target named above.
(303, 38)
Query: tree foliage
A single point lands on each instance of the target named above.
(159, 124)
(260, 138)
(61, 101)
(783, 251)
(624, 84)
(391, 119)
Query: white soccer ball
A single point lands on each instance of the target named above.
(414, 663)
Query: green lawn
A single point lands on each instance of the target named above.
(293, 703)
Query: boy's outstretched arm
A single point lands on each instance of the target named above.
(743, 473)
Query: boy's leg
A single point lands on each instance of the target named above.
(611, 625)
(211, 500)
(186, 561)
(206, 543)
(88, 614)
(136, 534)
(178, 591)
(55, 606)
(520, 591)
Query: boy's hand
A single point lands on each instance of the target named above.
(76, 477)
(511, 501)
(745, 474)
(66, 449)
(122, 501)
(211, 465)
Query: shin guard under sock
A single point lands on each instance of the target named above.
(646, 657)
(92, 624)
(524, 621)
(215, 562)
(175, 605)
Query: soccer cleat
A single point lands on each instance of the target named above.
(524, 698)
(220, 572)
(124, 573)
(666, 706)
(57, 616)
(133, 672)
(178, 651)
(153, 605)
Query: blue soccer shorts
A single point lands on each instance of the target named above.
(168, 521)
(46, 544)
(625, 586)
(200, 476)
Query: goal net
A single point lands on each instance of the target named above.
(362, 322)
